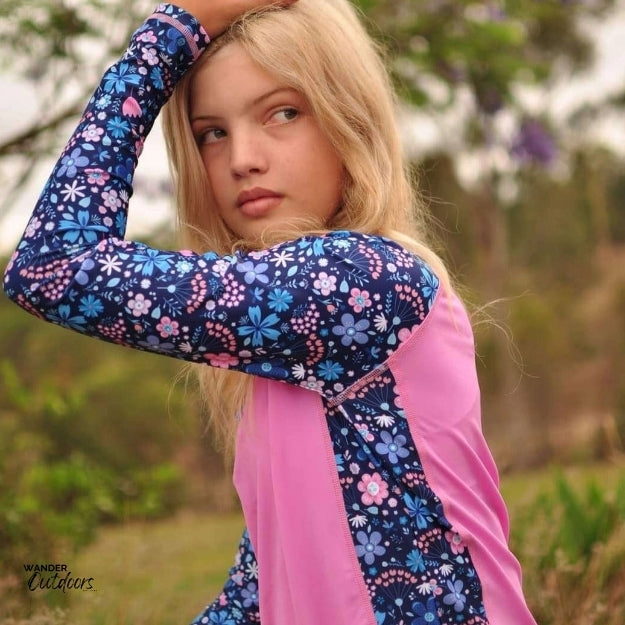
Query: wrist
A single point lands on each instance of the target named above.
(206, 14)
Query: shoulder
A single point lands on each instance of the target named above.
(361, 258)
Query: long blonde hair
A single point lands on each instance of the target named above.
(321, 49)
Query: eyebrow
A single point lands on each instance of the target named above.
(255, 102)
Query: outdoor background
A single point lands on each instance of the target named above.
(513, 114)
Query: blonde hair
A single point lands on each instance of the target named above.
(321, 49)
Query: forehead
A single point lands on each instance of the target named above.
(228, 80)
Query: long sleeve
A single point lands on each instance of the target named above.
(317, 312)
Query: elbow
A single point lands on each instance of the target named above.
(19, 288)
(11, 279)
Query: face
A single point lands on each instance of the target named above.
(265, 155)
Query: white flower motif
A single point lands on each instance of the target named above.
(110, 264)
(446, 569)
(282, 259)
(72, 191)
(299, 371)
(358, 520)
(384, 420)
(380, 323)
(426, 588)
(252, 570)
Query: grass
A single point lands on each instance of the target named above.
(164, 573)
(157, 573)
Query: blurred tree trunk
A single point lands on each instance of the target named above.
(520, 427)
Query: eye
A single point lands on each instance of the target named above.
(210, 135)
(284, 115)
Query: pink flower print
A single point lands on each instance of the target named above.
(404, 334)
(92, 133)
(97, 176)
(325, 283)
(359, 300)
(139, 305)
(363, 430)
(223, 360)
(312, 384)
(150, 55)
(167, 327)
(111, 200)
(373, 488)
(454, 540)
(131, 108)
(147, 37)
(32, 227)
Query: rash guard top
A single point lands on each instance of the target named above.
(369, 492)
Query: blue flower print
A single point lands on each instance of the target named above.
(119, 77)
(221, 618)
(426, 613)
(184, 266)
(253, 272)
(415, 561)
(430, 286)
(259, 328)
(150, 259)
(175, 40)
(418, 509)
(118, 127)
(120, 222)
(103, 101)
(91, 306)
(394, 447)
(63, 317)
(369, 546)
(156, 76)
(455, 596)
(330, 370)
(279, 300)
(250, 595)
(71, 162)
(351, 330)
(79, 229)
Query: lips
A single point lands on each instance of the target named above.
(256, 203)
(257, 193)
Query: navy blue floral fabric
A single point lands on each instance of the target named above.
(322, 313)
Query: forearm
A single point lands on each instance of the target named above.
(84, 201)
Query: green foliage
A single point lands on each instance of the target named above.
(570, 540)
(82, 445)
(486, 46)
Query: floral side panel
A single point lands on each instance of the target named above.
(417, 568)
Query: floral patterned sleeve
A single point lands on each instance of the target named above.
(317, 312)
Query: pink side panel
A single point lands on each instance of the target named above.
(436, 376)
(287, 481)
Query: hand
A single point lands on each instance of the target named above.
(216, 15)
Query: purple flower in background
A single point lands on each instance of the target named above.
(534, 143)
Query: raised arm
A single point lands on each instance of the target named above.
(317, 312)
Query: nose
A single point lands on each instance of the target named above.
(248, 155)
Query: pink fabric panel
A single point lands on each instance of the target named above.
(435, 372)
(287, 481)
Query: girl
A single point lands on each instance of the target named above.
(369, 493)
